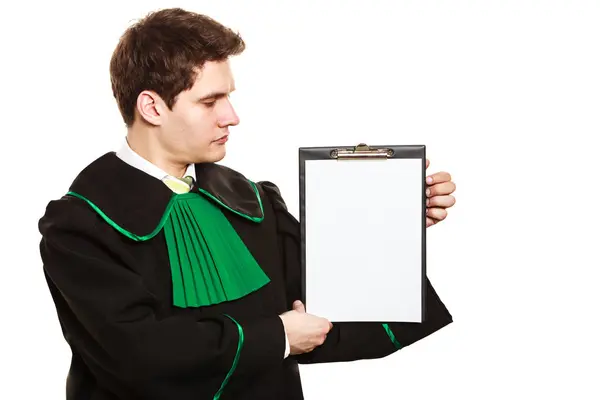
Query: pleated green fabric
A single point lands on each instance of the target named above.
(210, 264)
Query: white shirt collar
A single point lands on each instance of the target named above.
(132, 158)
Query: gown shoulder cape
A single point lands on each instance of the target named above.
(209, 262)
(178, 296)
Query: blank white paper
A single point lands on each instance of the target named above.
(364, 226)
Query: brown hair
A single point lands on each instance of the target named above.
(163, 52)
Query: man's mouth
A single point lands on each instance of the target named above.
(222, 139)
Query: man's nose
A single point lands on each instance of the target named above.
(229, 116)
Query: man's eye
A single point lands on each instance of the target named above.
(210, 104)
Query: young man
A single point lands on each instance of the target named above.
(171, 288)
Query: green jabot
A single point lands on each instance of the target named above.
(210, 264)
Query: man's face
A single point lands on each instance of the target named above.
(197, 128)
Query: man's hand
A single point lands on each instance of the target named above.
(439, 196)
(304, 331)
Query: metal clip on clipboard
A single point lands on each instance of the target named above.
(361, 152)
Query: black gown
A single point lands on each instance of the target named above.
(113, 296)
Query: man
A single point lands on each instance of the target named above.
(171, 288)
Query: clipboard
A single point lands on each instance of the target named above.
(363, 232)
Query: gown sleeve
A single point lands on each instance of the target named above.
(110, 316)
(349, 341)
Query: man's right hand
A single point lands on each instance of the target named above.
(304, 331)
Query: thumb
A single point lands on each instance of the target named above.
(298, 306)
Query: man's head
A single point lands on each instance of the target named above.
(171, 78)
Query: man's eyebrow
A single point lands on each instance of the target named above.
(214, 95)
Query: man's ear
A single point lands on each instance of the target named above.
(151, 107)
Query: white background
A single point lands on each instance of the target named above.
(505, 94)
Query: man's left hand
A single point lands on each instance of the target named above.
(439, 196)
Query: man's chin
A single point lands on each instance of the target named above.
(215, 155)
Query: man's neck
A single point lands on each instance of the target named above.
(139, 142)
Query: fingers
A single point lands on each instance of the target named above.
(441, 189)
(441, 201)
(426, 163)
(322, 340)
(439, 197)
(326, 328)
(438, 177)
(437, 214)
(298, 306)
